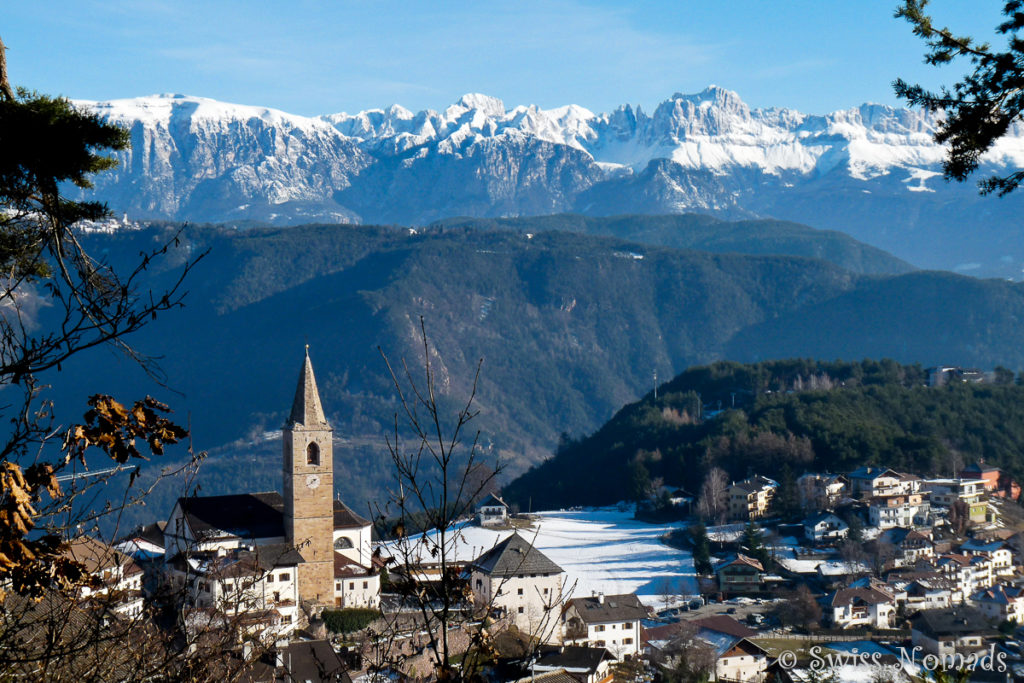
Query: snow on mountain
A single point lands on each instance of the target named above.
(872, 171)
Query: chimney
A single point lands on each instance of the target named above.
(600, 598)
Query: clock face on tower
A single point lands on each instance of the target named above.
(312, 481)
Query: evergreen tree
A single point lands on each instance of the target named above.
(787, 498)
(752, 544)
(984, 104)
(639, 481)
(701, 549)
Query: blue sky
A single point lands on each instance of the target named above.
(318, 57)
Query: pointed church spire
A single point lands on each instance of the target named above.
(306, 408)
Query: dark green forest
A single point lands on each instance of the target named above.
(707, 233)
(570, 328)
(800, 415)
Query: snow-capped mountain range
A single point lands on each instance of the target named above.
(873, 171)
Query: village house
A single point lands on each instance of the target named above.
(825, 526)
(492, 511)
(910, 545)
(970, 573)
(519, 583)
(820, 491)
(903, 509)
(577, 663)
(873, 606)
(948, 631)
(751, 498)
(260, 582)
(741, 574)
(993, 479)
(118, 577)
(720, 640)
(609, 621)
(945, 492)
(999, 556)
(1003, 603)
(736, 657)
(872, 482)
(354, 584)
(932, 590)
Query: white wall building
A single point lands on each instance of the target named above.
(611, 622)
(515, 580)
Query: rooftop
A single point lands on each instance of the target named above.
(609, 608)
(513, 556)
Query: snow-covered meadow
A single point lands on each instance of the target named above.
(601, 550)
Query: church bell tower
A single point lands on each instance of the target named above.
(309, 489)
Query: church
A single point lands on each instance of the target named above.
(278, 558)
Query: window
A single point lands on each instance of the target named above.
(628, 624)
(599, 627)
(270, 578)
(277, 597)
(545, 591)
(284, 577)
(343, 543)
(312, 454)
(366, 584)
(627, 641)
(521, 609)
(287, 619)
(228, 586)
(337, 585)
(351, 585)
(519, 592)
(479, 583)
(599, 643)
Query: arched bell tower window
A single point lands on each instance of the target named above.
(312, 454)
(343, 543)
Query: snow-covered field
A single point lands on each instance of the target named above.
(601, 550)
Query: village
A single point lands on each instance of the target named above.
(921, 573)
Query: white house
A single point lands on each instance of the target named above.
(904, 509)
(820, 491)
(1004, 603)
(612, 622)
(736, 657)
(515, 580)
(999, 556)
(825, 526)
(354, 584)
(492, 511)
(119, 576)
(949, 631)
(260, 581)
(873, 606)
(881, 481)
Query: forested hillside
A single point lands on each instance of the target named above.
(707, 233)
(570, 328)
(799, 415)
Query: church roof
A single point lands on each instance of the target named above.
(306, 408)
(513, 556)
(345, 518)
(249, 515)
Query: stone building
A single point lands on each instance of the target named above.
(304, 533)
(517, 581)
